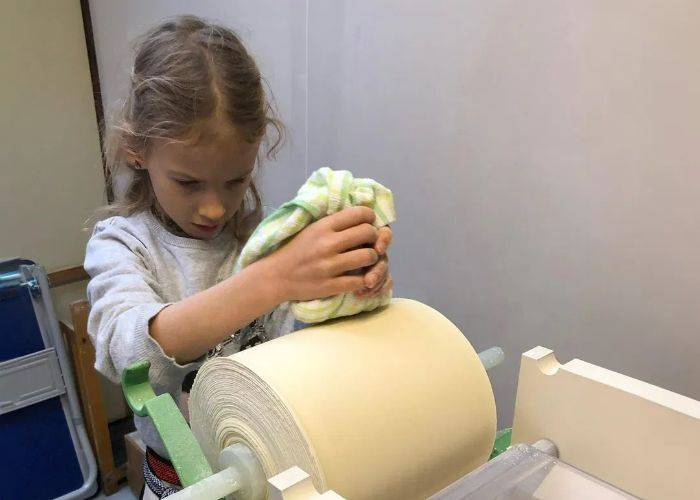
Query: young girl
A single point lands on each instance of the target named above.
(189, 134)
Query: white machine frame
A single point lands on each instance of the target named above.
(634, 435)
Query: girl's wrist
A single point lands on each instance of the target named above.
(272, 282)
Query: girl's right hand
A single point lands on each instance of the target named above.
(315, 263)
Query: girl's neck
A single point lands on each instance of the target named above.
(169, 224)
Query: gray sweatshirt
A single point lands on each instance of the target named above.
(138, 268)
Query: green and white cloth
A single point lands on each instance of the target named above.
(324, 193)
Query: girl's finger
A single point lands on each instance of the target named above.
(382, 270)
(345, 284)
(373, 292)
(384, 237)
(365, 292)
(386, 287)
(354, 237)
(349, 217)
(377, 273)
(354, 259)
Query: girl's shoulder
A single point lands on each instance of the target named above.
(134, 230)
(136, 221)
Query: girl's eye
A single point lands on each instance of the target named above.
(237, 182)
(187, 184)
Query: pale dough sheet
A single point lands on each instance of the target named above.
(392, 404)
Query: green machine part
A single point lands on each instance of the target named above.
(502, 442)
(185, 454)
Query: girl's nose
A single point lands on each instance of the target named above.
(212, 210)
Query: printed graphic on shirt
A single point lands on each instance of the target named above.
(245, 338)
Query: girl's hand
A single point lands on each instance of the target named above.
(315, 263)
(378, 279)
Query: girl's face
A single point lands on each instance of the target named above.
(200, 187)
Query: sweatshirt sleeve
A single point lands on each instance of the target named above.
(124, 296)
(279, 322)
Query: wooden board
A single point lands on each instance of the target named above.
(87, 379)
(634, 435)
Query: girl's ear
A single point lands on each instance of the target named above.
(135, 160)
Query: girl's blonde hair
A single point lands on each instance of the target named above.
(187, 72)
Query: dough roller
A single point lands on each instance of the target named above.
(241, 474)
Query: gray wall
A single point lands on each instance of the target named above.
(543, 157)
(50, 164)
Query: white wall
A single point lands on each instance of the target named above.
(543, 157)
(545, 162)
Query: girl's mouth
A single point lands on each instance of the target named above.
(206, 229)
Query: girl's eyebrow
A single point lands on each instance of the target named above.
(188, 177)
(182, 175)
(241, 177)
